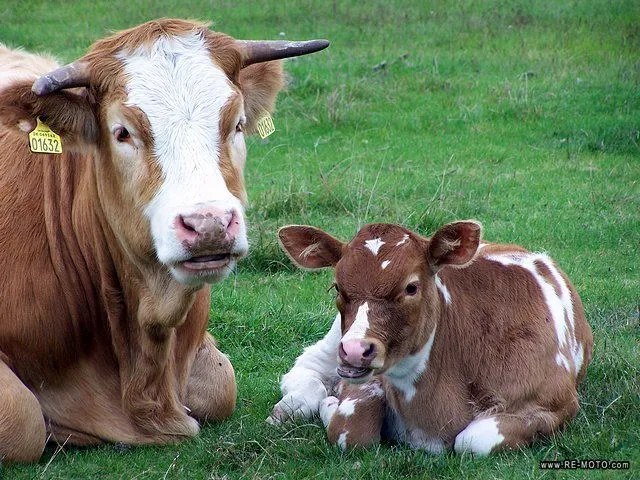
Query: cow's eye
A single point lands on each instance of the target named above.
(411, 289)
(240, 126)
(121, 134)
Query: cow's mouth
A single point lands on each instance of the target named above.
(354, 374)
(207, 262)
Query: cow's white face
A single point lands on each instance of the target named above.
(178, 137)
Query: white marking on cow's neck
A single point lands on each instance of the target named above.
(443, 290)
(479, 437)
(374, 245)
(385, 264)
(182, 92)
(347, 407)
(405, 374)
(560, 305)
(360, 325)
(404, 240)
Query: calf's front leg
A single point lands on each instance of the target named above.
(310, 380)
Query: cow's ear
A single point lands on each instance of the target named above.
(69, 113)
(310, 247)
(454, 244)
(260, 84)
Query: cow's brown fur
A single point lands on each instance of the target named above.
(97, 340)
(494, 348)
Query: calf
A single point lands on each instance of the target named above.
(440, 343)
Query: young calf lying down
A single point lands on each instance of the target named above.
(439, 342)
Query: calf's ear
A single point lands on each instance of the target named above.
(310, 247)
(70, 114)
(454, 244)
(260, 84)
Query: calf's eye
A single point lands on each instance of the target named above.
(239, 127)
(411, 289)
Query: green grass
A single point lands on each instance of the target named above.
(523, 115)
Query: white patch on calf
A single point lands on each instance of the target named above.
(443, 290)
(405, 374)
(360, 325)
(560, 305)
(182, 92)
(385, 264)
(328, 408)
(404, 240)
(342, 440)
(372, 389)
(374, 245)
(347, 407)
(479, 437)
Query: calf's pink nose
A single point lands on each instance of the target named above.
(206, 224)
(358, 353)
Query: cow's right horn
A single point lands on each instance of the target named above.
(256, 51)
(75, 74)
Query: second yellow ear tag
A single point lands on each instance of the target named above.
(265, 126)
(43, 140)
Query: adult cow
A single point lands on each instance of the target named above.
(107, 249)
(440, 343)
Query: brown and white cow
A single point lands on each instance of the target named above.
(440, 342)
(107, 249)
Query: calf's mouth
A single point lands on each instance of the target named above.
(355, 374)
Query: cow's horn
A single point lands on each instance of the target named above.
(256, 51)
(75, 74)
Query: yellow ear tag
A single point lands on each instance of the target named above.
(43, 140)
(265, 126)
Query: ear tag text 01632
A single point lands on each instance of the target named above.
(43, 140)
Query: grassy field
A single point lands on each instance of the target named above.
(523, 115)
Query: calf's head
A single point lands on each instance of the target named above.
(386, 286)
(164, 108)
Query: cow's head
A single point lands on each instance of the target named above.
(386, 287)
(164, 107)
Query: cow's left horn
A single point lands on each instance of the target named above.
(256, 51)
(75, 74)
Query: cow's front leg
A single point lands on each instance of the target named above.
(307, 384)
(355, 418)
(211, 390)
(150, 383)
(22, 430)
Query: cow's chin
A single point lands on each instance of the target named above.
(206, 269)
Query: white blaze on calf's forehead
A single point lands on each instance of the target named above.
(374, 245)
(360, 325)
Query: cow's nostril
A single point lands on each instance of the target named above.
(186, 224)
(370, 352)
